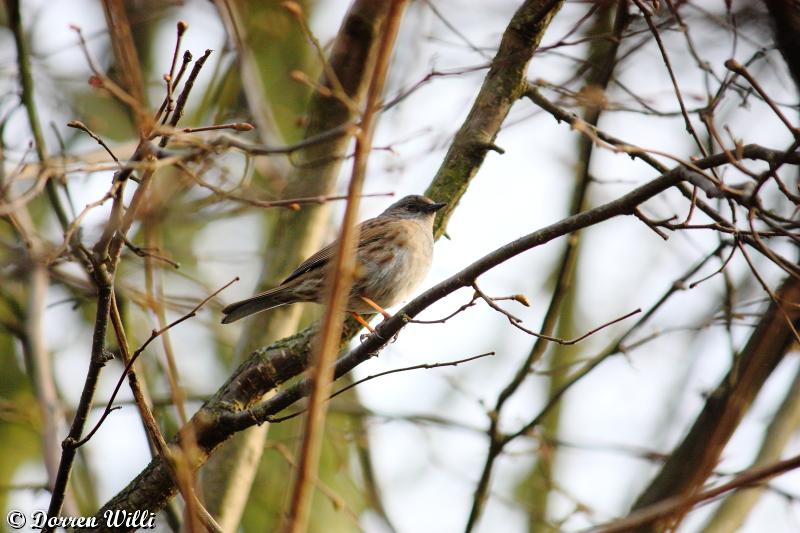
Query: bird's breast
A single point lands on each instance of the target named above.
(390, 269)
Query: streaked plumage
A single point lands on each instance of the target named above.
(393, 256)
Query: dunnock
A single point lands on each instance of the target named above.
(393, 256)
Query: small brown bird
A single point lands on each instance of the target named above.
(393, 256)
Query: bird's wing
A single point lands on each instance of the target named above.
(369, 232)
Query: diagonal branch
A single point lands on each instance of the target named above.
(624, 205)
(504, 84)
(697, 455)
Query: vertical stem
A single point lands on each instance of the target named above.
(130, 70)
(46, 394)
(97, 361)
(293, 236)
(341, 282)
(316, 168)
(26, 81)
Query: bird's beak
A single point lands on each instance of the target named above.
(432, 208)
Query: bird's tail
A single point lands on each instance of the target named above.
(260, 302)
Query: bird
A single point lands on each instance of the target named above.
(393, 256)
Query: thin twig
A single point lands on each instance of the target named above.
(77, 124)
(738, 68)
(336, 88)
(100, 80)
(677, 504)
(425, 366)
(224, 141)
(294, 204)
(516, 322)
(718, 271)
(169, 78)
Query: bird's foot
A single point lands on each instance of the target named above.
(376, 307)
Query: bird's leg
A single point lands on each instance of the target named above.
(362, 322)
(376, 307)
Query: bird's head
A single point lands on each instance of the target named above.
(413, 206)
